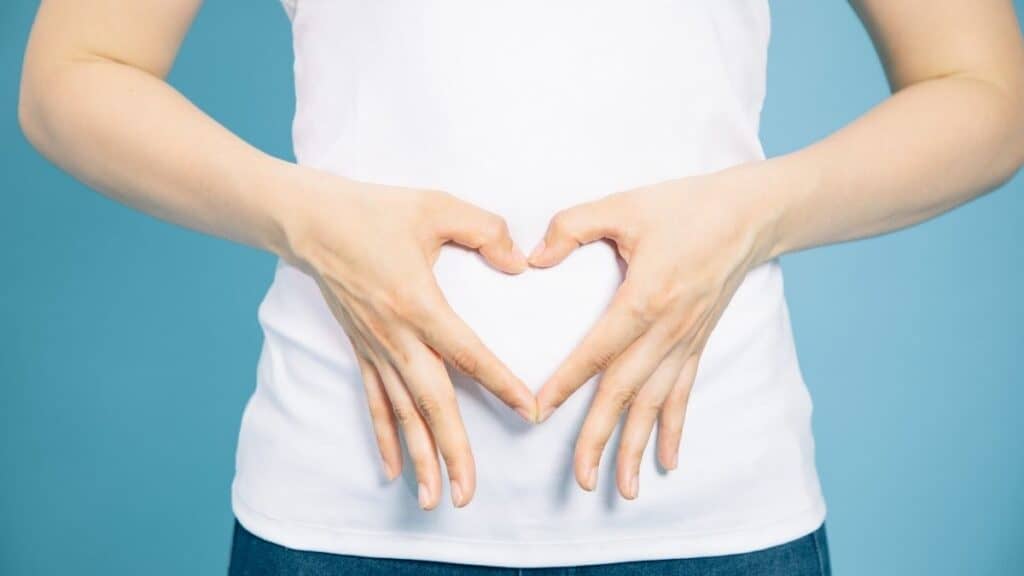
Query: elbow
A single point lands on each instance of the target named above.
(1015, 138)
(27, 113)
(1008, 100)
(1000, 109)
(1012, 152)
(32, 111)
(1006, 109)
(41, 108)
(1018, 141)
(1015, 119)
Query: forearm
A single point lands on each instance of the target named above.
(133, 137)
(925, 150)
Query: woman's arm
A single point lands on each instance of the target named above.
(94, 101)
(953, 129)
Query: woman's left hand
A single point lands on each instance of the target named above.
(687, 244)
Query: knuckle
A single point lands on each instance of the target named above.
(403, 414)
(382, 302)
(642, 310)
(560, 223)
(380, 339)
(494, 229)
(463, 359)
(429, 407)
(600, 361)
(380, 413)
(411, 302)
(628, 235)
(429, 332)
(416, 310)
(622, 398)
(646, 408)
(668, 297)
(383, 340)
(398, 355)
(678, 331)
(383, 436)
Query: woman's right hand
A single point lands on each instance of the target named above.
(371, 249)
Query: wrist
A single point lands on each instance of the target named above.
(776, 185)
(290, 189)
(310, 203)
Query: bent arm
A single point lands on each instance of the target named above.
(94, 101)
(952, 130)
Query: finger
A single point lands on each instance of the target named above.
(673, 414)
(483, 231)
(617, 329)
(441, 329)
(434, 397)
(636, 432)
(575, 226)
(418, 440)
(382, 414)
(619, 386)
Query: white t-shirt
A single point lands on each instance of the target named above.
(525, 107)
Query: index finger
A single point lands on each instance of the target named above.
(448, 335)
(622, 324)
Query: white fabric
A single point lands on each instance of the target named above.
(524, 108)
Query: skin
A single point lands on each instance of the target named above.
(369, 247)
(952, 130)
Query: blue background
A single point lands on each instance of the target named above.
(128, 346)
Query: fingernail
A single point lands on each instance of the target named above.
(520, 257)
(526, 413)
(592, 478)
(424, 496)
(456, 494)
(634, 486)
(388, 471)
(537, 250)
(544, 413)
(674, 461)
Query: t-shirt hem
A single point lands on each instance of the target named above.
(306, 536)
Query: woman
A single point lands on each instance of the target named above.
(620, 140)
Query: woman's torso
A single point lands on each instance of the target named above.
(524, 108)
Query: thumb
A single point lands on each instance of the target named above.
(573, 227)
(487, 233)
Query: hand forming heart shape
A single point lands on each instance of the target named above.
(688, 245)
(376, 276)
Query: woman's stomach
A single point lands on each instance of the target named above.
(307, 453)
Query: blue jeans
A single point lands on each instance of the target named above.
(253, 556)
